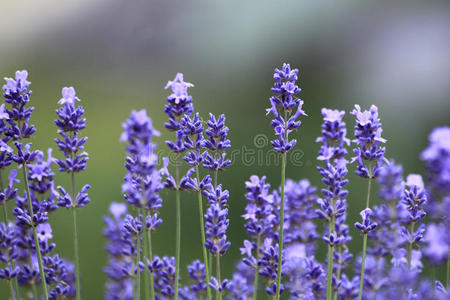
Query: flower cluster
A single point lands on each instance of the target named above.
(369, 152)
(281, 254)
(283, 104)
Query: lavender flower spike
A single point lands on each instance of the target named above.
(333, 205)
(70, 122)
(179, 105)
(17, 96)
(286, 108)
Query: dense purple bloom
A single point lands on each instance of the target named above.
(163, 270)
(299, 214)
(390, 180)
(17, 95)
(259, 210)
(283, 104)
(119, 282)
(216, 224)
(142, 183)
(369, 153)
(70, 122)
(179, 102)
(268, 267)
(197, 274)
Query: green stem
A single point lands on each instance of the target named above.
(361, 283)
(280, 244)
(202, 231)
(145, 256)
(338, 272)
(75, 239)
(33, 285)
(363, 262)
(178, 229)
(330, 255)
(138, 271)
(218, 293)
(36, 240)
(255, 282)
(369, 185)
(410, 246)
(150, 256)
(448, 268)
(11, 290)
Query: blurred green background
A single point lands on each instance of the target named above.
(119, 55)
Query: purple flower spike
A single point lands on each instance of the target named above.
(283, 104)
(368, 138)
(216, 224)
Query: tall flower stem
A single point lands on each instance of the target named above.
(5, 216)
(255, 282)
(36, 239)
(280, 243)
(338, 272)
(363, 262)
(330, 255)
(11, 290)
(178, 228)
(33, 285)
(138, 271)
(202, 231)
(361, 282)
(218, 293)
(410, 246)
(150, 257)
(448, 269)
(75, 239)
(145, 248)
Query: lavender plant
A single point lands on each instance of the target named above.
(369, 157)
(286, 109)
(280, 254)
(333, 204)
(70, 122)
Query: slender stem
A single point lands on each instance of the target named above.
(11, 290)
(36, 240)
(33, 283)
(410, 246)
(5, 216)
(75, 239)
(210, 263)
(369, 185)
(218, 293)
(146, 257)
(202, 231)
(150, 256)
(448, 268)
(255, 282)
(5, 213)
(280, 243)
(178, 229)
(361, 283)
(138, 271)
(330, 254)
(338, 272)
(363, 262)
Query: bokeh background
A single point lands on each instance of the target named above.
(119, 54)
